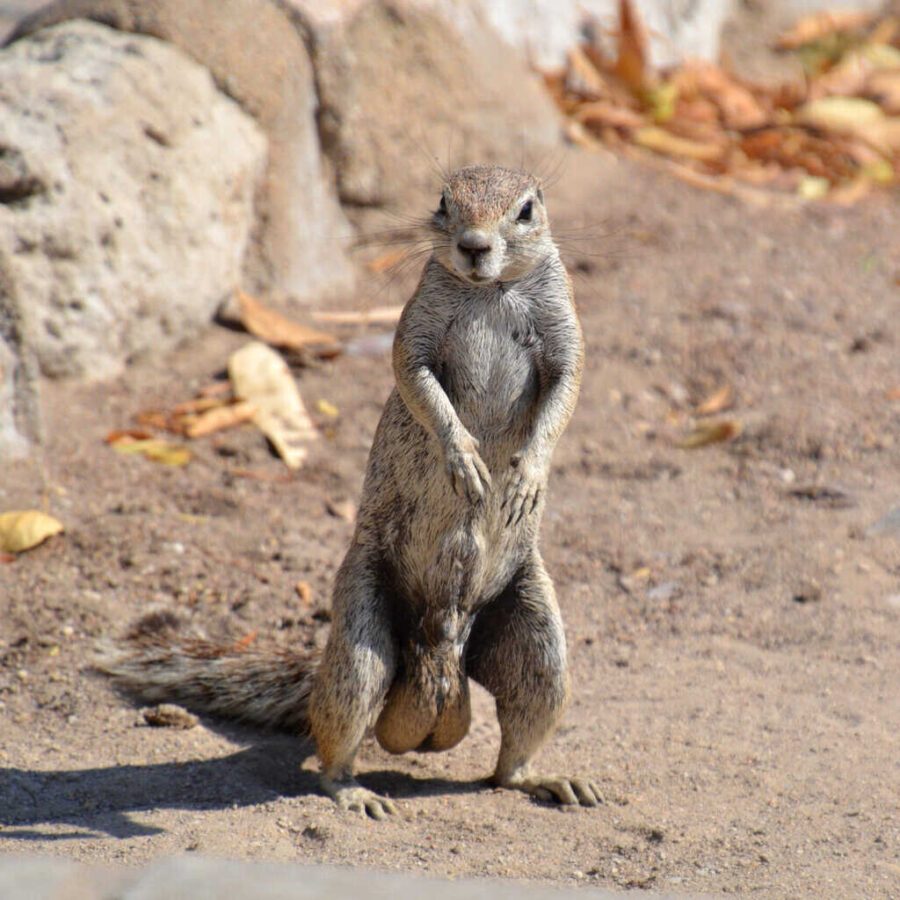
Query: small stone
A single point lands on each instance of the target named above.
(808, 592)
(168, 715)
(341, 509)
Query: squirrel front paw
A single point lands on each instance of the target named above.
(468, 473)
(525, 487)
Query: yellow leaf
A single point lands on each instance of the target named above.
(327, 409)
(157, 450)
(26, 529)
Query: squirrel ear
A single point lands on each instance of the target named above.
(540, 194)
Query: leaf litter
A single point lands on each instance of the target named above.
(833, 134)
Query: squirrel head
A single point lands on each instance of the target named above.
(491, 225)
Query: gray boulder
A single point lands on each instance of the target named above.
(126, 197)
(256, 52)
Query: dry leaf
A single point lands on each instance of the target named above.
(855, 116)
(155, 449)
(198, 405)
(25, 529)
(246, 641)
(387, 260)
(711, 433)
(738, 107)
(220, 418)
(631, 60)
(661, 141)
(261, 377)
(276, 329)
(126, 435)
(380, 315)
(327, 409)
(893, 394)
(583, 77)
(716, 402)
(601, 112)
(819, 25)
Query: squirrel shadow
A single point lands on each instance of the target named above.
(99, 801)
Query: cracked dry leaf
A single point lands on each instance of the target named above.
(261, 377)
(23, 529)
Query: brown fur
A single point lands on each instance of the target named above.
(443, 579)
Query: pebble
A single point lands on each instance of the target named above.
(168, 715)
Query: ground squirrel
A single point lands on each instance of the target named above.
(443, 580)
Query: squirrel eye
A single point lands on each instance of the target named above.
(525, 213)
(442, 206)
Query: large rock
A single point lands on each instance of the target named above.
(404, 93)
(20, 418)
(257, 55)
(123, 215)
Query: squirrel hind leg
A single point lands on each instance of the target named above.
(356, 671)
(517, 651)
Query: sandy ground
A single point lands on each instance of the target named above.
(732, 616)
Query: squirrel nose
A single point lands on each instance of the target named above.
(474, 246)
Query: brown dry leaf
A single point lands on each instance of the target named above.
(220, 418)
(198, 405)
(661, 141)
(304, 592)
(162, 421)
(246, 641)
(819, 25)
(380, 315)
(582, 76)
(705, 433)
(739, 108)
(387, 260)
(718, 401)
(24, 529)
(632, 57)
(157, 450)
(261, 377)
(600, 112)
(124, 435)
(893, 394)
(276, 329)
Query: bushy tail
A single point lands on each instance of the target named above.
(269, 687)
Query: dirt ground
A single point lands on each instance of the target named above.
(732, 616)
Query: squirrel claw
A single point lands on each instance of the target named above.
(468, 473)
(558, 789)
(354, 797)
